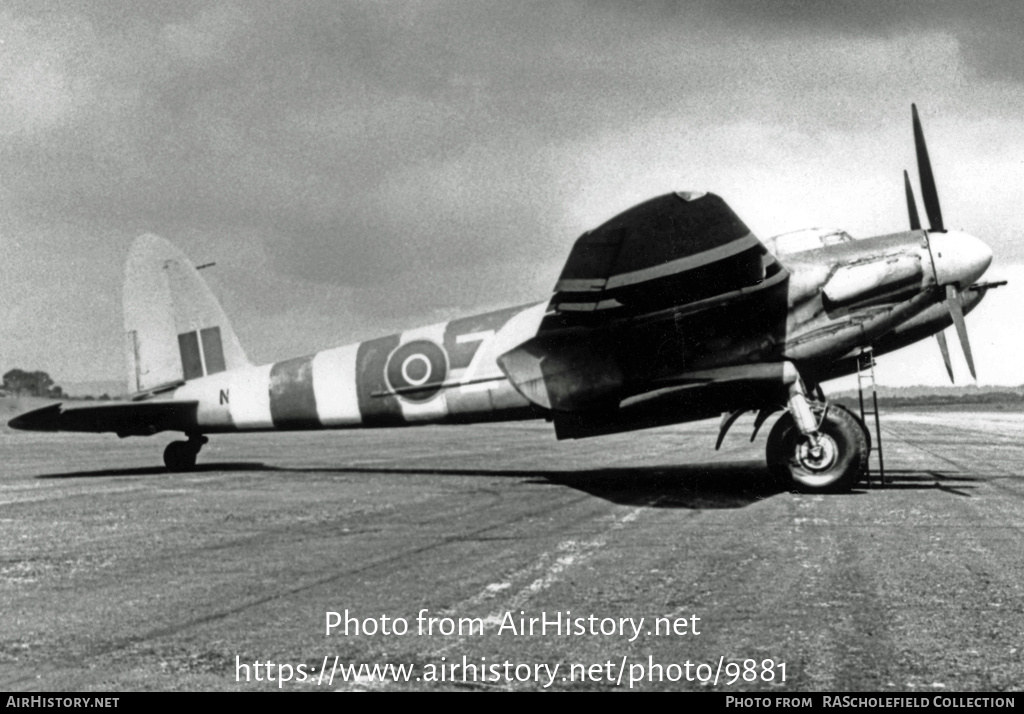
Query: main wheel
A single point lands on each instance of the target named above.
(856, 418)
(834, 466)
(180, 456)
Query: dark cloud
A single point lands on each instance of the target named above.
(355, 137)
(989, 31)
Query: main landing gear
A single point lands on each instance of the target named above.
(818, 447)
(181, 455)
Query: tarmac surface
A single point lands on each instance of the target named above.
(115, 575)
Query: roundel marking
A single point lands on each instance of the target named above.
(416, 369)
(419, 363)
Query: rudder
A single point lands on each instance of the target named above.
(175, 328)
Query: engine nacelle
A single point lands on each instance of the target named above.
(886, 277)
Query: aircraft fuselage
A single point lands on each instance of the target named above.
(830, 301)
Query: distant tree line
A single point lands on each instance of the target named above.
(20, 383)
(1008, 396)
(999, 397)
(31, 384)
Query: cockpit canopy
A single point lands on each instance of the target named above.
(806, 239)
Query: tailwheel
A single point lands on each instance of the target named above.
(181, 455)
(831, 461)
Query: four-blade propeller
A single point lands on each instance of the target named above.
(931, 203)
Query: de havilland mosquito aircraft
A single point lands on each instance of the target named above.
(672, 311)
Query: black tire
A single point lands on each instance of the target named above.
(836, 468)
(856, 418)
(180, 456)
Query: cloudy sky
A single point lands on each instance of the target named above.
(358, 168)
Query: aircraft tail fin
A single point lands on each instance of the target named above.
(175, 328)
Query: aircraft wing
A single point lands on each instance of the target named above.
(682, 273)
(674, 250)
(121, 418)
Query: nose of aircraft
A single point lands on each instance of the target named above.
(960, 258)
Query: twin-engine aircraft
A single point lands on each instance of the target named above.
(672, 311)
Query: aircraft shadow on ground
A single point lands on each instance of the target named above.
(715, 485)
(950, 482)
(708, 485)
(160, 471)
(712, 485)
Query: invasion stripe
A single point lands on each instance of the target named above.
(292, 399)
(681, 265)
(250, 399)
(371, 357)
(334, 386)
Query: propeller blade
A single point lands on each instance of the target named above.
(944, 349)
(915, 222)
(924, 170)
(957, 313)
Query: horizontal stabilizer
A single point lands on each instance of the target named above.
(121, 418)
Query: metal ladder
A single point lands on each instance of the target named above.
(866, 373)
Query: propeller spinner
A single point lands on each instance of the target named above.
(958, 259)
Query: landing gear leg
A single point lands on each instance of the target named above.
(181, 455)
(817, 447)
